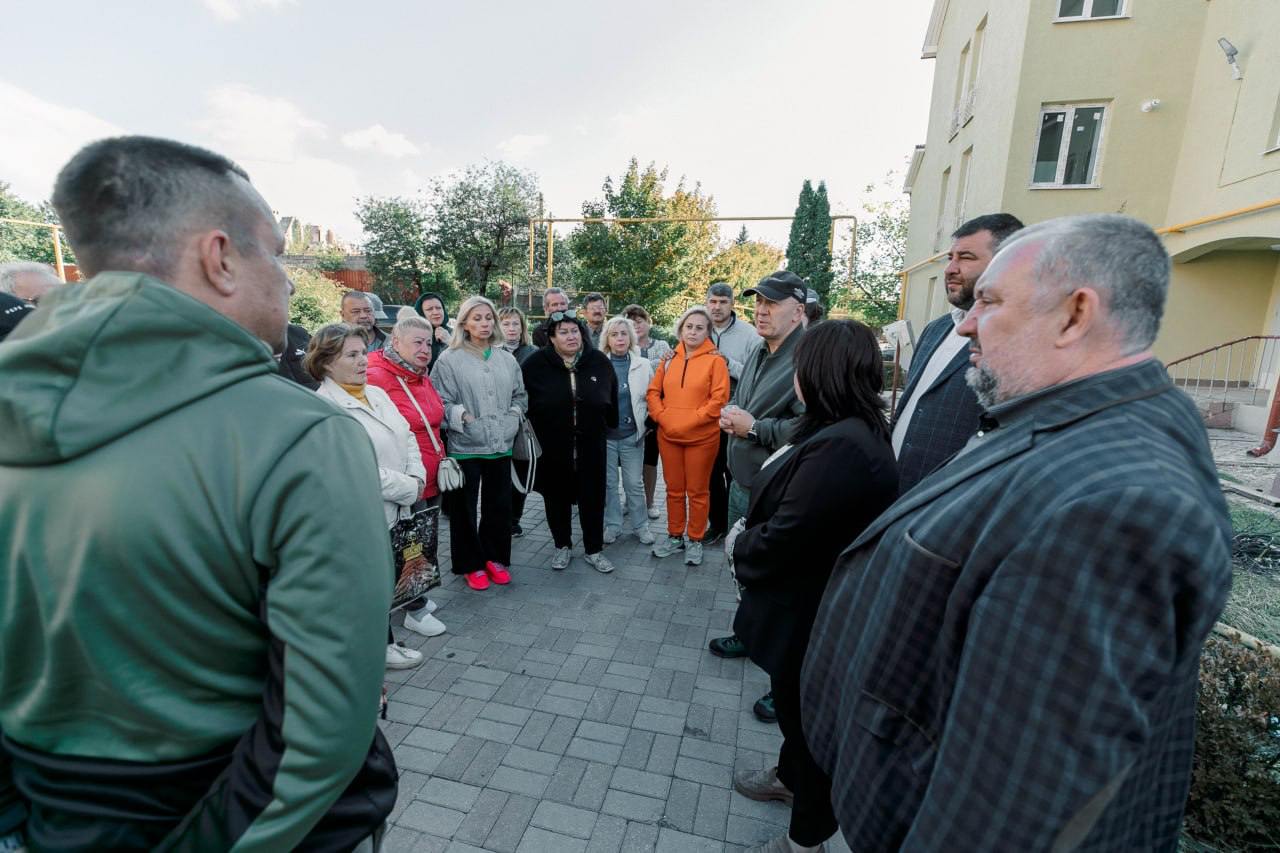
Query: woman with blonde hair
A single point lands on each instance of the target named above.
(336, 357)
(484, 399)
(624, 446)
(685, 398)
(400, 369)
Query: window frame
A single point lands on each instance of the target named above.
(1065, 144)
(1125, 12)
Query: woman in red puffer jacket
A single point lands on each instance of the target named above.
(400, 369)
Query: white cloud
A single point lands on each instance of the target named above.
(520, 146)
(39, 137)
(272, 138)
(233, 10)
(380, 140)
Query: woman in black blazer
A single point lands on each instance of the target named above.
(573, 400)
(810, 501)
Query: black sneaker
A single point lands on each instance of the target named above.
(516, 531)
(764, 709)
(727, 647)
(712, 536)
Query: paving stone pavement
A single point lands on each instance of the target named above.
(574, 711)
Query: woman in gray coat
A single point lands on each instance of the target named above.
(484, 397)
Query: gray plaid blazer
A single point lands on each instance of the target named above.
(1007, 658)
(946, 415)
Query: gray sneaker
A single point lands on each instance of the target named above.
(610, 535)
(667, 546)
(600, 563)
(561, 559)
(693, 553)
(762, 785)
(645, 535)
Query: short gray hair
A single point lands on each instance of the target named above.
(10, 272)
(1118, 256)
(720, 288)
(624, 323)
(553, 291)
(407, 318)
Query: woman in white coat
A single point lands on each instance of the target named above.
(624, 446)
(336, 356)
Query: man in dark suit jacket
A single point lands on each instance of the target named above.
(1008, 657)
(938, 411)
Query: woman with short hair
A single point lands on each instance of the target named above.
(337, 358)
(573, 402)
(803, 513)
(624, 448)
(484, 398)
(685, 398)
(657, 351)
(400, 369)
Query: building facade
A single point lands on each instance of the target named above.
(1046, 108)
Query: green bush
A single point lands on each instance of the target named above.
(1234, 803)
(316, 300)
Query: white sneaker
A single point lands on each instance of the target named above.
(402, 657)
(668, 546)
(600, 562)
(424, 623)
(645, 535)
(560, 560)
(610, 535)
(653, 512)
(693, 553)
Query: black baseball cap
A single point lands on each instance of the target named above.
(12, 310)
(778, 286)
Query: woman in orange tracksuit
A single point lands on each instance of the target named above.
(685, 397)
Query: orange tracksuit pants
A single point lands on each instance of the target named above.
(686, 469)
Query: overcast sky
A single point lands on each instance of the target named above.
(324, 101)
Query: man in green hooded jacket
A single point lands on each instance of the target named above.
(196, 567)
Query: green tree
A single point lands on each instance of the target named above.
(808, 252)
(28, 242)
(480, 222)
(397, 251)
(316, 300)
(649, 263)
(870, 285)
(743, 264)
(331, 259)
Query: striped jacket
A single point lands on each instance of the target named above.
(1007, 658)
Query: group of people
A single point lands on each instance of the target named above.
(981, 616)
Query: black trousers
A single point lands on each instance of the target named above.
(812, 820)
(518, 497)
(475, 538)
(720, 480)
(591, 490)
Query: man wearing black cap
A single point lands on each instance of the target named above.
(763, 413)
(12, 310)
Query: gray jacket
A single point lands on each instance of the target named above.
(490, 390)
(737, 343)
(767, 393)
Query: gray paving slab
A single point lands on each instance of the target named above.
(573, 711)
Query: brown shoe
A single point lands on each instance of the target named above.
(762, 785)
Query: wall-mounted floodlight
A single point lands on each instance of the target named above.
(1230, 50)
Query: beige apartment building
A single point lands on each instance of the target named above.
(1044, 108)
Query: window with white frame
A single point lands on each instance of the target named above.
(944, 187)
(1080, 9)
(1068, 145)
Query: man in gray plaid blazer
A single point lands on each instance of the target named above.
(1007, 658)
(938, 410)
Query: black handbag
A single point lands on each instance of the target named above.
(413, 544)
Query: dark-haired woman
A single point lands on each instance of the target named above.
(810, 501)
(431, 306)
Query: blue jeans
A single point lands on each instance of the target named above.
(628, 455)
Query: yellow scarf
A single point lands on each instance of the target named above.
(356, 391)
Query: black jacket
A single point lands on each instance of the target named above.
(551, 411)
(806, 508)
(948, 411)
(295, 348)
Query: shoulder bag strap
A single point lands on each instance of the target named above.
(426, 423)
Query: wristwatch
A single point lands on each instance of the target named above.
(751, 434)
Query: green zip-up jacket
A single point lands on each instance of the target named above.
(766, 391)
(196, 580)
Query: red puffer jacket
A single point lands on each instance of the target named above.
(385, 374)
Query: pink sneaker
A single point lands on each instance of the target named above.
(497, 572)
(478, 580)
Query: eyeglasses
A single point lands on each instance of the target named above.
(557, 316)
